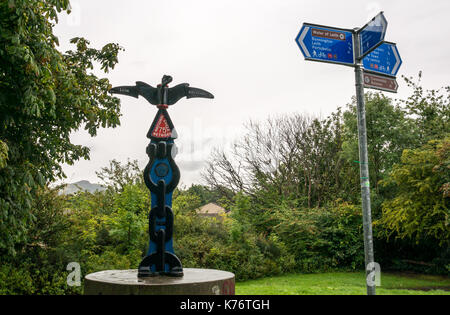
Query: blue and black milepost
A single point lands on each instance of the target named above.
(161, 175)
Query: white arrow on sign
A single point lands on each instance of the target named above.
(302, 43)
(397, 58)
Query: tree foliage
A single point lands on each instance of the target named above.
(420, 209)
(116, 176)
(430, 110)
(284, 158)
(289, 175)
(128, 223)
(389, 132)
(44, 96)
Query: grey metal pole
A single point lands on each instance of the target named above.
(364, 165)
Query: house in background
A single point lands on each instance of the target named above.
(211, 210)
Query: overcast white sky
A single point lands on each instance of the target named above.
(244, 52)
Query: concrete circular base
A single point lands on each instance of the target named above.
(126, 282)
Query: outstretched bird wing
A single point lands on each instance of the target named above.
(148, 92)
(151, 94)
(143, 89)
(194, 92)
(183, 90)
(126, 90)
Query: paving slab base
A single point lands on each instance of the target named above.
(126, 282)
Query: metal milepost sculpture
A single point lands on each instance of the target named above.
(161, 175)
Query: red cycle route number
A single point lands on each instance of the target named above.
(162, 128)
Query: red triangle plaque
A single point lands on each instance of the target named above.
(162, 128)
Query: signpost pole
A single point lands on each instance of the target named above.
(364, 165)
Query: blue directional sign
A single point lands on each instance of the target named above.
(326, 44)
(372, 34)
(385, 59)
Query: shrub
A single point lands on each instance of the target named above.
(323, 238)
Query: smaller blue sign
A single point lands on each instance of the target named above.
(385, 59)
(372, 34)
(326, 44)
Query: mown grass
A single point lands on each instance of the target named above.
(345, 283)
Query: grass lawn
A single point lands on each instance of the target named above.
(345, 283)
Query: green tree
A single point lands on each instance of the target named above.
(322, 238)
(206, 195)
(389, 132)
(129, 222)
(420, 209)
(3, 154)
(285, 158)
(44, 96)
(116, 176)
(430, 110)
(186, 202)
(40, 266)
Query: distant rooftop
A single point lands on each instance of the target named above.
(211, 210)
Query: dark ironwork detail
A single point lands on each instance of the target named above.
(161, 174)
